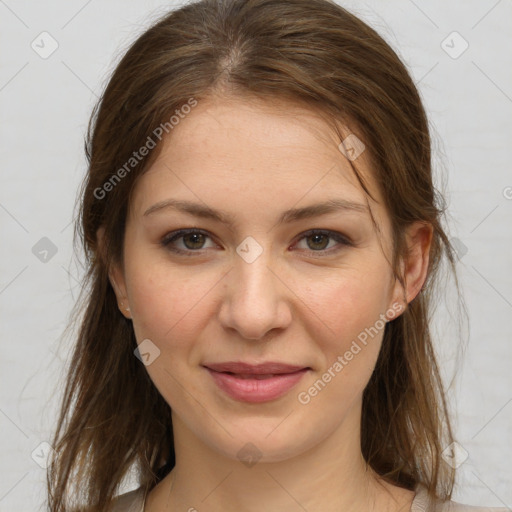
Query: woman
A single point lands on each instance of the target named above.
(264, 237)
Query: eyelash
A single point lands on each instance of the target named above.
(175, 235)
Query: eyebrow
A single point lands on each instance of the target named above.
(294, 214)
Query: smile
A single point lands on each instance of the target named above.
(256, 387)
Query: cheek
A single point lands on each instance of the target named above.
(169, 309)
(346, 326)
(347, 301)
(170, 304)
(350, 343)
(166, 305)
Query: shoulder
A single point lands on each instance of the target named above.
(132, 501)
(423, 503)
(453, 506)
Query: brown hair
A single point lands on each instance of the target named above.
(314, 52)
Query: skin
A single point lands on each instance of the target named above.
(302, 301)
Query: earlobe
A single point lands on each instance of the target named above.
(115, 276)
(120, 291)
(416, 262)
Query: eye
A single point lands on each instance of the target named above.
(192, 240)
(319, 240)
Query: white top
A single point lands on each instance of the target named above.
(134, 501)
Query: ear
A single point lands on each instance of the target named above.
(115, 275)
(414, 264)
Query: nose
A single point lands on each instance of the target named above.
(256, 299)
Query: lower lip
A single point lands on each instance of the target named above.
(256, 390)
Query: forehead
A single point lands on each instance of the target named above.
(253, 148)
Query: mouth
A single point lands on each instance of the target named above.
(255, 383)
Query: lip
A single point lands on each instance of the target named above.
(254, 369)
(255, 383)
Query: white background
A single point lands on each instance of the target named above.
(45, 105)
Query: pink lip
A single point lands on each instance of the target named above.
(256, 369)
(255, 383)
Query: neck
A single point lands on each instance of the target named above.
(330, 476)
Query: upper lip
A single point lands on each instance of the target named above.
(242, 368)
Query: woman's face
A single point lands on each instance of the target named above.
(251, 283)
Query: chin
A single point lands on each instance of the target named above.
(255, 443)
